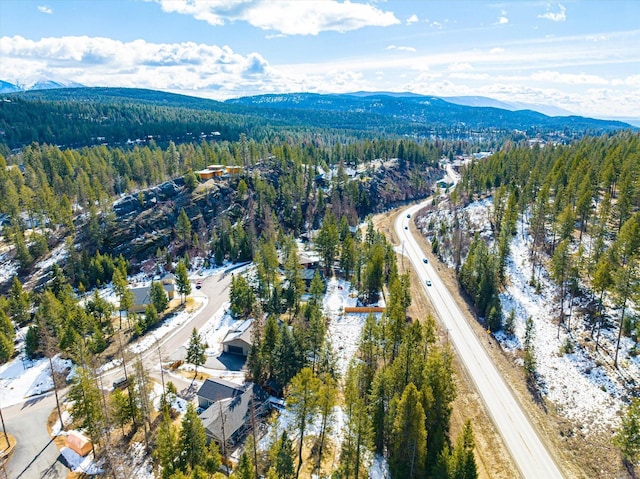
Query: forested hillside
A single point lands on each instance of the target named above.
(581, 204)
(77, 117)
(109, 201)
(546, 245)
(81, 226)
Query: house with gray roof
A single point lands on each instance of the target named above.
(226, 420)
(142, 294)
(238, 340)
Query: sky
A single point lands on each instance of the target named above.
(579, 55)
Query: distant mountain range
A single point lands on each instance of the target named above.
(481, 101)
(82, 116)
(431, 111)
(475, 101)
(6, 87)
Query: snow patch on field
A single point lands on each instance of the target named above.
(344, 330)
(56, 256)
(151, 338)
(214, 331)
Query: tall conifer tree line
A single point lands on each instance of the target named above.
(582, 206)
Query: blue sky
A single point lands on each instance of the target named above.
(582, 56)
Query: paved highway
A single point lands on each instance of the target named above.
(528, 452)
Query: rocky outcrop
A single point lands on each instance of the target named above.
(146, 221)
(390, 187)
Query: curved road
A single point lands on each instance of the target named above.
(36, 456)
(528, 452)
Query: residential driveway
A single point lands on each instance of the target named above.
(36, 456)
(226, 361)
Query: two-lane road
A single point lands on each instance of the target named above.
(36, 456)
(528, 451)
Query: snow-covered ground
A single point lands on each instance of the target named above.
(214, 331)
(344, 332)
(21, 379)
(8, 268)
(581, 387)
(78, 463)
(582, 390)
(56, 256)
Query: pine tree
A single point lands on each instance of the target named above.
(192, 442)
(627, 439)
(463, 463)
(120, 408)
(327, 241)
(626, 275)
(182, 280)
(245, 469)
(241, 297)
(86, 407)
(166, 446)
(287, 357)
(316, 289)
(357, 432)
(327, 398)
(158, 296)
(196, 352)
(282, 463)
(7, 336)
(348, 256)
(269, 342)
(303, 405)
(121, 286)
(183, 227)
(439, 391)
(408, 444)
(18, 304)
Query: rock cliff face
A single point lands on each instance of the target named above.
(146, 221)
(391, 187)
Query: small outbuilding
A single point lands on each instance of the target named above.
(78, 442)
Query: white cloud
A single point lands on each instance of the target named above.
(496, 50)
(412, 19)
(502, 19)
(568, 78)
(45, 9)
(90, 61)
(436, 24)
(632, 80)
(559, 16)
(289, 17)
(402, 49)
(460, 67)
